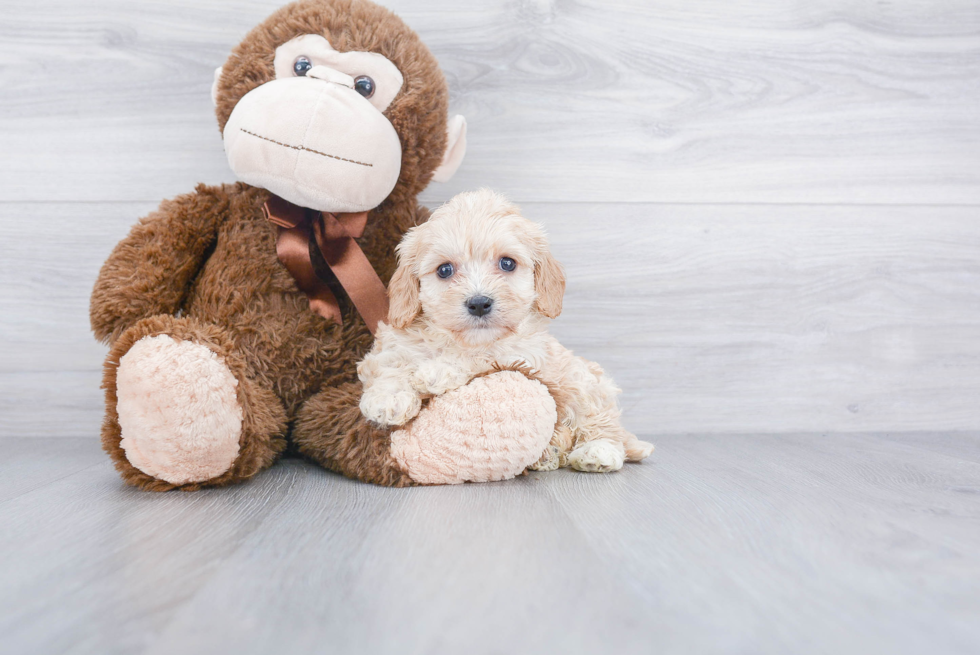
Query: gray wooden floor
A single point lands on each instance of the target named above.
(797, 543)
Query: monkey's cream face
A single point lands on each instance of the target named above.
(476, 274)
(316, 135)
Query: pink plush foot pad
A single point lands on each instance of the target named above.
(491, 429)
(178, 410)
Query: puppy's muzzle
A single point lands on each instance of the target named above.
(479, 305)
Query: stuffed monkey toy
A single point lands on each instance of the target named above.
(236, 314)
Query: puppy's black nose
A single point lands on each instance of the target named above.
(479, 305)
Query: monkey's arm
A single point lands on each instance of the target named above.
(149, 272)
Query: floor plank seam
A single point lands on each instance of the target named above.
(53, 481)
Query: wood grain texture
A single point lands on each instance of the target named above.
(717, 544)
(711, 318)
(28, 464)
(50, 364)
(794, 543)
(776, 318)
(677, 101)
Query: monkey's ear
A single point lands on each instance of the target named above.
(403, 290)
(455, 149)
(549, 283)
(214, 85)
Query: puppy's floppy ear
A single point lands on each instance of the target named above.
(403, 290)
(549, 283)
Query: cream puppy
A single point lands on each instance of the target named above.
(475, 289)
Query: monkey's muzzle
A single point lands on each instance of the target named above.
(314, 142)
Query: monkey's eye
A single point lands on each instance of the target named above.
(364, 85)
(507, 264)
(445, 270)
(302, 66)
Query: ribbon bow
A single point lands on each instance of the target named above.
(334, 235)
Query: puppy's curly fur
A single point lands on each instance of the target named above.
(474, 289)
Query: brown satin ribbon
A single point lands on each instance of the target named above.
(334, 235)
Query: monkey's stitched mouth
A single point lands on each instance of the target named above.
(304, 148)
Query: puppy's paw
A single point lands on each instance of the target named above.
(597, 457)
(550, 460)
(637, 450)
(437, 377)
(394, 408)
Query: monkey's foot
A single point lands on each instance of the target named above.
(178, 409)
(490, 429)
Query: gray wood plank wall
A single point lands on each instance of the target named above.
(769, 210)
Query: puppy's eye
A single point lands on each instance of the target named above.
(507, 264)
(364, 85)
(302, 66)
(445, 270)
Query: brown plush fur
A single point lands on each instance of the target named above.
(330, 429)
(210, 257)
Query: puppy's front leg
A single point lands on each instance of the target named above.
(387, 402)
(386, 378)
(437, 376)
